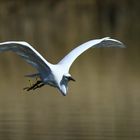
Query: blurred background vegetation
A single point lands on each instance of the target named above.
(104, 101)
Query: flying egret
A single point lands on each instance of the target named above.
(56, 75)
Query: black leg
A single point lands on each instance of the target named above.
(33, 86)
(39, 86)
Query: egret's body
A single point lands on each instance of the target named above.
(55, 75)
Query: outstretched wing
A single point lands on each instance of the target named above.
(27, 52)
(97, 43)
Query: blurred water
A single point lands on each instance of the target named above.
(103, 103)
(69, 123)
(104, 106)
(67, 126)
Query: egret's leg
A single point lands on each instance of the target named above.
(34, 85)
(39, 86)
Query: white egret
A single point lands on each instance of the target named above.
(56, 75)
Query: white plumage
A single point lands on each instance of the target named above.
(55, 75)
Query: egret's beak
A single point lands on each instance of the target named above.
(72, 79)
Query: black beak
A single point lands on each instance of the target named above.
(71, 79)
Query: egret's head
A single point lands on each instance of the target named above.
(64, 83)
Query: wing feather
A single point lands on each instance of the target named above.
(28, 53)
(97, 43)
